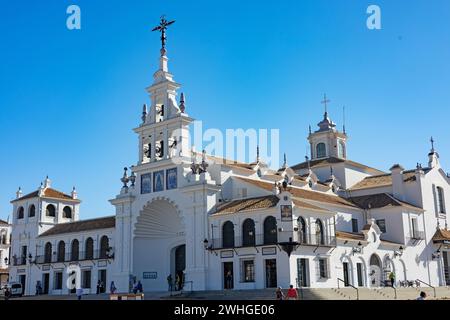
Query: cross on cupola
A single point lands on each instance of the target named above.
(325, 101)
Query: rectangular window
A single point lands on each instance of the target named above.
(382, 225)
(248, 271)
(322, 269)
(146, 183)
(58, 280)
(171, 179)
(355, 225)
(86, 279)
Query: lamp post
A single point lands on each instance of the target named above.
(357, 249)
(436, 255)
(399, 253)
(289, 246)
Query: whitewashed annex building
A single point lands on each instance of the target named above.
(5, 238)
(231, 225)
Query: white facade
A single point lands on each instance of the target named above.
(5, 237)
(230, 225)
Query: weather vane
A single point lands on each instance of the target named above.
(162, 28)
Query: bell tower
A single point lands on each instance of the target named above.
(164, 131)
(327, 141)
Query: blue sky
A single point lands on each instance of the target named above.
(69, 99)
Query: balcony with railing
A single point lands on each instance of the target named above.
(76, 256)
(19, 261)
(265, 240)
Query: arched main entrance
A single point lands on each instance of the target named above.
(376, 271)
(159, 248)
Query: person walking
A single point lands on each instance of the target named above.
(229, 280)
(292, 293)
(135, 287)
(140, 289)
(79, 293)
(112, 288)
(98, 287)
(170, 282)
(279, 294)
(177, 282)
(392, 278)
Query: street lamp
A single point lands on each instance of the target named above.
(6, 261)
(289, 246)
(399, 253)
(357, 249)
(30, 258)
(205, 244)
(436, 255)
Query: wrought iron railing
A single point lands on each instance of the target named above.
(263, 240)
(74, 257)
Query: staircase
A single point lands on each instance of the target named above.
(320, 294)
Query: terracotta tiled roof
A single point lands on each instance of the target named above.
(236, 206)
(332, 160)
(350, 235)
(232, 163)
(441, 235)
(384, 180)
(3, 222)
(380, 200)
(79, 226)
(391, 243)
(301, 193)
(367, 227)
(4, 271)
(48, 193)
(303, 204)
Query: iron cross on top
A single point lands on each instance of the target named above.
(162, 28)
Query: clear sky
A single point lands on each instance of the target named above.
(69, 99)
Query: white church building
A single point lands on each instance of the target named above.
(231, 225)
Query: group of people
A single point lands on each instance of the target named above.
(292, 294)
(179, 282)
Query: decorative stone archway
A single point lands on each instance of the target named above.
(158, 231)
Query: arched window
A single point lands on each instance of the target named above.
(341, 149)
(50, 211)
(48, 253)
(270, 230)
(321, 151)
(302, 236)
(104, 247)
(67, 212)
(228, 235)
(248, 233)
(32, 211)
(61, 251)
(320, 239)
(75, 250)
(20, 213)
(89, 249)
(441, 202)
